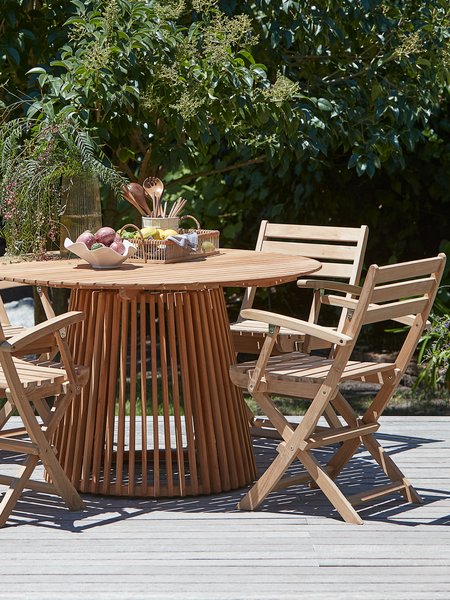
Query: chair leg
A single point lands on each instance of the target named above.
(331, 417)
(5, 413)
(390, 468)
(250, 416)
(43, 409)
(59, 479)
(289, 451)
(278, 420)
(58, 411)
(270, 479)
(62, 484)
(344, 454)
(329, 488)
(267, 482)
(47, 455)
(348, 448)
(15, 490)
(276, 424)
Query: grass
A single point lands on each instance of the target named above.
(406, 401)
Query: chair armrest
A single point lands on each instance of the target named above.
(23, 339)
(337, 286)
(323, 333)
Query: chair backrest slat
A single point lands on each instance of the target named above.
(316, 250)
(386, 293)
(417, 268)
(394, 310)
(312, 232)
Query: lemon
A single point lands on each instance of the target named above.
(148, 232)
(167, 233)
(157, 234)
(208, 247)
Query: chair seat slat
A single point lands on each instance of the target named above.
(302, 367)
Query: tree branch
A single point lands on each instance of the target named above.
(126, 169)
(143, 171)
(246, 163)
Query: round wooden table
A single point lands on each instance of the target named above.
(159, 416)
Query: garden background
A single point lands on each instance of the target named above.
(325, 112)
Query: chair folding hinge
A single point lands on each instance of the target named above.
(271, 329)
(253, 385)
(74, 389)
(288, 448)
(260, 386)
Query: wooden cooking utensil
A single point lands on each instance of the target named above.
(154, 187)
(138, 193)
(132, 200)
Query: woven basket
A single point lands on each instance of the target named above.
(167, 251)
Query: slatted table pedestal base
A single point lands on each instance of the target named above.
(160, 416)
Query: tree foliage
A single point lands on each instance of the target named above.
(334, 107)
(163, 85)
(31, 32)
(370, 73)
(175, 83)
(384, 67)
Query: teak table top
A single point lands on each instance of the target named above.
(235, 268)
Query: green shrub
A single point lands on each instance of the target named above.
(434, 355)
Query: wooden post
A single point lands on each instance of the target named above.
(81, 196)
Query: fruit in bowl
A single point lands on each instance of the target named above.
(103, 249)
(105, 236)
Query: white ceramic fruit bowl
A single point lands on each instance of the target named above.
(100, 258)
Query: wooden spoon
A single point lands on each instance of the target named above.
(132, 200)
(154, 187)
(137, 191)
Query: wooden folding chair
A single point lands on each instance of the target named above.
(402, 292)
(341, 252)
(26, 385)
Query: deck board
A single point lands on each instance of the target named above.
(202, 548)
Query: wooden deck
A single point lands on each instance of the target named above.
(204, 549)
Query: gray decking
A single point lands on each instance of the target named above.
(204, 549)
